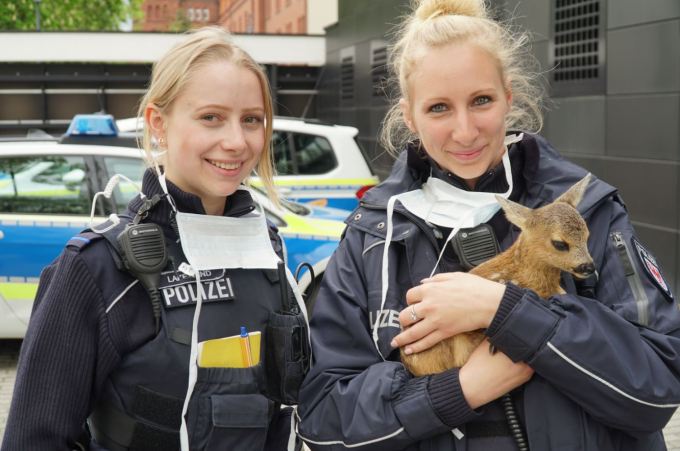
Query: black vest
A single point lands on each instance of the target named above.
(140, 405)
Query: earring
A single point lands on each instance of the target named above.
(161, 142)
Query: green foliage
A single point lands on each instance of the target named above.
(63, 15)
(181, 22)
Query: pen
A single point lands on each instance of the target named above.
(245, 348)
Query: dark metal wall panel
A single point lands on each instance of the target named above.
(644, 58)
(533, 15)
(650, 189)
(623, 13)
(577, 125)
(644, 126)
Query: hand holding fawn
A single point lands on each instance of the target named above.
(553, 239)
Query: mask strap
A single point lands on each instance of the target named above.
(164, 184)
(385, 280)
(193, 362)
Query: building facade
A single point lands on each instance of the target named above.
(177, 15)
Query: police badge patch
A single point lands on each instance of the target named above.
(651, 267)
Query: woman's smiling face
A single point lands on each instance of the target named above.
(457, 106)
(214, 132)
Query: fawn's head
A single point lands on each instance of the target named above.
(555, 235)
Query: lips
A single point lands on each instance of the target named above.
(227, 166)
(467, 154)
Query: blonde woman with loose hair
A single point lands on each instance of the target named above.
(595, 368)
(173, 326)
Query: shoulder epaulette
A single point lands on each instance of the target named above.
(81, 240)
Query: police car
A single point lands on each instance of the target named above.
(316, 163)
(46, 190)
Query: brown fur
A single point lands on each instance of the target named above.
(531, 262)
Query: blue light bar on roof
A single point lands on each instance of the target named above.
(92, 125)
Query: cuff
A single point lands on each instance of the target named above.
(511, 297)
(448, 400)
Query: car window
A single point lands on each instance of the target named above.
(132, 168)
(44, 185)
(314, 154)
(282, 158)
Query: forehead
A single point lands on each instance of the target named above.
(454, 69)
(222, 83)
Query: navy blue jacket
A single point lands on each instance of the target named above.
(607, 367)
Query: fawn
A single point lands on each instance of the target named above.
(553, 238)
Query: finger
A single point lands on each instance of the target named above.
(407, 317)
(414, 295)
(441, 277)
(424, 343)
(413, 333)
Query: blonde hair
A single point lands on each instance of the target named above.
(172, 72)
(436, 23)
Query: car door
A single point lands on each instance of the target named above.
(44, 201)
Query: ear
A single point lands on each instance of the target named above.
(406, 113)
(516, 213)
(574, 194)
(155, 119)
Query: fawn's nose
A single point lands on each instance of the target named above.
(585, 269)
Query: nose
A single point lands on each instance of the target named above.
(464, 129)
(585, 269)
(233, 138)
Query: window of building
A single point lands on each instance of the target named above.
(289, 28)
(149, 12)
(190, 14)
(206, 15)
(278, 6)
(165, 11)
(157, 12)
(301, 25)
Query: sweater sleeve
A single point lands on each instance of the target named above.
(65, 350)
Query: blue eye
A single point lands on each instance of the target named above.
(482, 100)
(438, 108)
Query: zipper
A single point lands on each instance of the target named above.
(633, 278)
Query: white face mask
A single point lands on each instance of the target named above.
(442, 204)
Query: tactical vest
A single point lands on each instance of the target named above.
(231, 408)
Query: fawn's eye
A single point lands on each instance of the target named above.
(560, 245)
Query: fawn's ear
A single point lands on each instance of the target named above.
(574, 194)
(516, 213)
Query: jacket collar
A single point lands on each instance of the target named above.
(238, 204)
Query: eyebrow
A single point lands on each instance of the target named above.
(224, 108)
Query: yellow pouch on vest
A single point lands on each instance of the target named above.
(230, 352)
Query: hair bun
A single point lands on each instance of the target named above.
(429, 9)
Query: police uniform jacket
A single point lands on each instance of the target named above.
(606, 358)
(91, 350)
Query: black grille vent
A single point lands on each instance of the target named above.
(379, 71)
(577, 34)
(577, 52)
(347, 79)
(147, 248)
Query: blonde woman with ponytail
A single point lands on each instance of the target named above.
(594, 369)
(150, 331)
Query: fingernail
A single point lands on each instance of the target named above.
(394, 344)
(408, 351)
